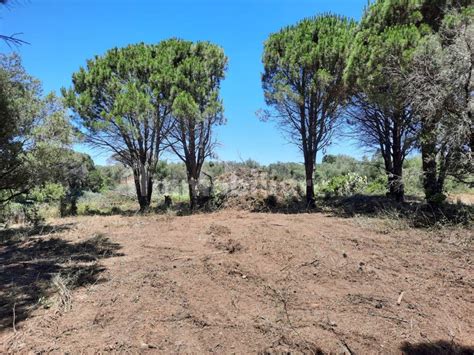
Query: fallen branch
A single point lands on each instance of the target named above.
(389, 317)
(399, 301)
(199, 256)
(346, 348)
(314, 263)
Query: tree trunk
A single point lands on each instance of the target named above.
(398, 192)
(63, 207)
(144, 187)
(73, 210)
(430, 180)
(432, 185)
(192, 184)
(395, 178)
(310, 200)
(394, 182)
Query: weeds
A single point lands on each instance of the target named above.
(61, 289)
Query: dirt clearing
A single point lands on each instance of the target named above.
(236, 282)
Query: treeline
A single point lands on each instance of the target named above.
(399, 81)
(336, 175)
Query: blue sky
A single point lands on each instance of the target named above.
(65, 33)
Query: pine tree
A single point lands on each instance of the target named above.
(303, 83)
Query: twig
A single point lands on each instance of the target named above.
(314, 263)
(346, 347)
(388, 317)
(199, 256)
(14, 318)
(399, 301)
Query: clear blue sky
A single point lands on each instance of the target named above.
(65, 33)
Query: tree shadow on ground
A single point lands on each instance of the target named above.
(14, 235)
(440, 347)
(414, 211)
(31, 260)
(114, 211)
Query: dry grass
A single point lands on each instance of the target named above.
(62, 291)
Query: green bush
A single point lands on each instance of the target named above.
(26, 212)
(344, 185)
(51, 192)
(377, 186)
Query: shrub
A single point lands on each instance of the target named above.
(51, 192)
(26, 212)
(344, 185)
(377, 186)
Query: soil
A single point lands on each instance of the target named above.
(237, 282)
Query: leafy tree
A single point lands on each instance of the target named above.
(379, 114)
(109, 176)
(19, 107)
(12, 177)
(31, 128)
(122, 102)
(383, 66)
(77, 173)
(339, 165)
(198, 69)
(440, 87)
(303, 83)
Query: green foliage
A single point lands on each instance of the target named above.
(285, 171)
(378, 186)
(51, 192)
(390, 79)
(77, 174)
(105, 203)
(440, 87)
(33, 130)
(19, 107)
(337, 165)
(334, 170)
(385, 13)
(303, 83)
(304, 61)
(120, 96)
(110, 175)
(344, 185)
(132, 99)
(123, 100)
(387, 37)
(198, 69)
(312, 51)
(175, 172)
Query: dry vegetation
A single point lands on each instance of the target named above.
(237, 282)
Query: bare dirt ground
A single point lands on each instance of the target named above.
(236, 282)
